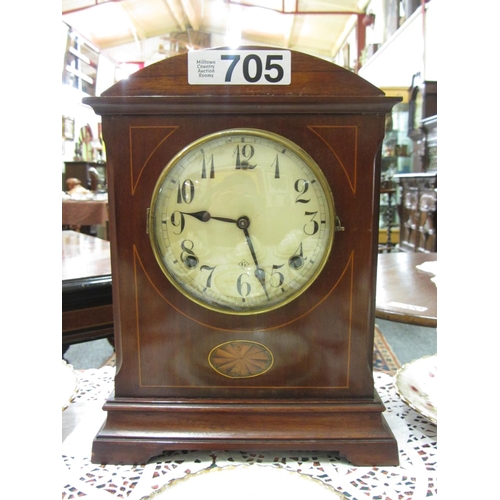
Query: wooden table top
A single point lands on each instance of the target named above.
(87, 301)
(84, 256)
(84, 212)
(405, 293)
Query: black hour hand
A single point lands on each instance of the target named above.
(202, 216)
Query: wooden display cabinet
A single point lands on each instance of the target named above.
(396, 159)
(418, 190)
(425, 146)
(422, 106)
(418, 212)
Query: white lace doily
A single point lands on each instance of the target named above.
(414, 479)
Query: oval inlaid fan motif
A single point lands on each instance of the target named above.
(240, 359)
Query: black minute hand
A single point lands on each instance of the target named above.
(259, 273)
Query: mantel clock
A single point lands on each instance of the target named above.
(243, 199)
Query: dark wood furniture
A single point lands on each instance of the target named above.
(87, 311)
(85, 171)
(418, 190)
(387, 213)
(422, 105)
(319, 393)
(405, 293)
(424, 156)
(418, 212)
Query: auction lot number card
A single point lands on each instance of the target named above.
(239, 67)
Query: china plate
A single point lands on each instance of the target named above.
(428, 267)
(416, 385)
(69, 384)
(246, 482)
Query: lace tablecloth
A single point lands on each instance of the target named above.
(415, 478)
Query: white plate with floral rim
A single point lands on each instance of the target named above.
(416, 385)
(246, 482)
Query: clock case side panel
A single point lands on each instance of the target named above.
(358, 220)
(111, 134)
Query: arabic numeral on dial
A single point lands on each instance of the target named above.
(244, 288)
(185, 191)
(312, 226)
(210, 273)
(296, 261)
(178, 220)
(277, 278)
(204, 167)
(276, 165)
(243, 156)
(188, 257)
(301, 186)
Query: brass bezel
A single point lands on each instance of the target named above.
(295, 149)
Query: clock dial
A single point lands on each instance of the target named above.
(241, 221)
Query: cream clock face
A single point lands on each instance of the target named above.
(242, 221)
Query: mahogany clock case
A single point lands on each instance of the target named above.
(318, 391)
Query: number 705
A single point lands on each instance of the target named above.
(253, 67)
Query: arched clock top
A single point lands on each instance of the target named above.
(314, 85)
